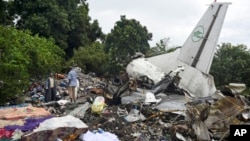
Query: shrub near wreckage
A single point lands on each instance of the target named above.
(24, 56)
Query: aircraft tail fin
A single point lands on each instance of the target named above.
(198, 50)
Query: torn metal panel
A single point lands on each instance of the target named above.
(233, 88)
(197, 83)
(134, 97)
(162, 85)
(197, 113)
(201, 131)
(181, 131)
(140, 67)
(172, 102)
(223, 113)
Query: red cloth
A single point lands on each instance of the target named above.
(5, 133)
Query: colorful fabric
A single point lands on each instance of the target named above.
(52, 135)
(5, 133)
(57, 127)
(11, 122)
(22, 112)
(30, 124)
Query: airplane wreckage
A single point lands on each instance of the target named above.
(188, 68)
(165, 97)
(194, 57)
(188, 65)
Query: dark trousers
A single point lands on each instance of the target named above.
(50, 94)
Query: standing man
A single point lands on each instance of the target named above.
(72, 77)
(50, 88)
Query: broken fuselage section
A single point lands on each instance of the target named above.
(195, 56)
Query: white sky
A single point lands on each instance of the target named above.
(173, 18)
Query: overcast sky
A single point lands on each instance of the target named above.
(173, 18)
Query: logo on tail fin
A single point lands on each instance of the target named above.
(198, 34)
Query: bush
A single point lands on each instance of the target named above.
(23, 57)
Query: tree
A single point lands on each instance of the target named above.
(91, 58)
(66, 21)
(126, 38)
(23, 57)
(160, 48)
(43, 17)
(5, 13)
(231, 64)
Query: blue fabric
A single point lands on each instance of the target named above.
(39, 89)
(63, 84)
(72, 76)
(29, 125)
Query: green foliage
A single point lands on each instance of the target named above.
(5, 13)
(44, 17)
(154, 51)
(66, 21)
(127, 38)
(246, 92)
(95, 32)
(160, 48)
(24, 57)
(79, 24)
(173, 49)
(91, 58)
(231, 64)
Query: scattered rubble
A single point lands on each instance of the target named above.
(126, 112)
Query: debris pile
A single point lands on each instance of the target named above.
(128, 111)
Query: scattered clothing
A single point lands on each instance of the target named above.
(30, 124)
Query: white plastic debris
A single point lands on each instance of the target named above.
(246, 115)
(62, 102)
(80, 111)
(104, 136)
(98, 105)
(17, 135)
(57, 122)
(150, 98)
(134, 115)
